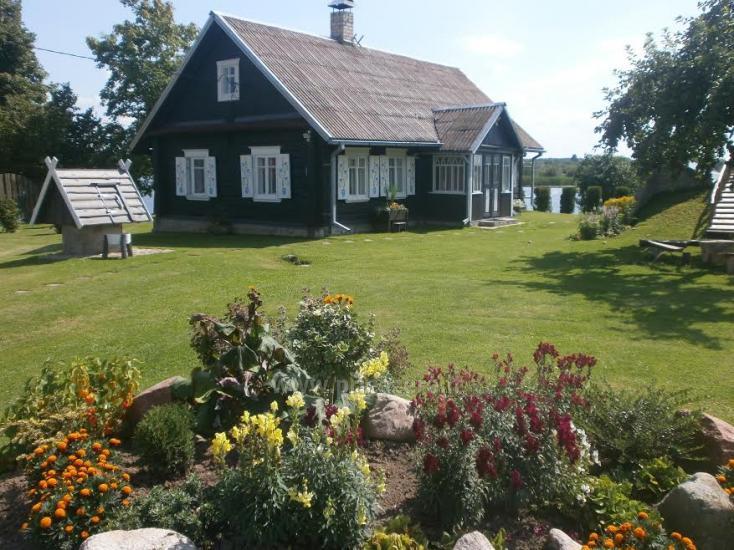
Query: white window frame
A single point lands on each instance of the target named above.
(225, 69)
(506, 174)
(354, 158)
(268, 155)
(451, 168)
(191, 156)
(477, 175)
(396, 180)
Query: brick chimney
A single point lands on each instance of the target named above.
(342, 21)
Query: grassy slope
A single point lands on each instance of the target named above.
(458, 295)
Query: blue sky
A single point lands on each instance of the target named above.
(549, 60)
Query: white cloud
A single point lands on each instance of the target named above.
(491, 45)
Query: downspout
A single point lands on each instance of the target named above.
(532, 177)
(468, 180)
(334, 156)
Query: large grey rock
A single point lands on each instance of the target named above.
(140, 539)
(717, 438)
(699, 508)
(160, 394)
(558, 540)
(390, 419)
(473, 541)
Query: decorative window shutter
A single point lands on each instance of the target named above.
(374, 164)
(211, 176)
(384, 176)
(342, 176)
(284, 176)
(181, 176)
(411, 175)
(246, 176)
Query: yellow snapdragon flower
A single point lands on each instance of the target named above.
(357, 398)
(340, 417)
(375, 368)
(221, 447)
(302, 497)
(274, 407)
(295, 400)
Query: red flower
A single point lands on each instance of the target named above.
(430, 464)
(442, 442)
(419, 429)
(516, 480)
(467, 436)
(485, 463)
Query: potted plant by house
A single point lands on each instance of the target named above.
(392, 213)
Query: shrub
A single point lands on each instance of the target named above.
(329, 341)
(76, 486)
(644, 532)
(9, 215)
(592, 199)
(174, 508)
(629, 428)
(726, 478)
(311, 482)
(164, 440)
(568, 200)
(542, 199)
(91, 393)
(590, 226)
(397, 534)
(655, 478)
(626, 206)
(622, 191)
(242, 364)
(488, 438)
(609, 502)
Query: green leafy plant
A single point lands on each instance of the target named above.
(92, 393)
(592, 198)
(9, 215)
(628, 428)
(329, 341)
(542, 199)
(590, 226)
(165, 441)
(242, 364)
(568, 200)
(725, 478)
(310, 480)
(175, 508)
(655, 478)
(637, 531)
(609, 502)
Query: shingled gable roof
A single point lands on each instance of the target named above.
(350, 94)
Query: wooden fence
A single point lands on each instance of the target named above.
(22, 190)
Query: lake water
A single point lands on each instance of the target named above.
(555, 200)
(148, 201)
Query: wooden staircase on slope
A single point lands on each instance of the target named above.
(722, 200)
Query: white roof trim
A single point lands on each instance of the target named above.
(171, 84)
(487, 127)
(124, 167)
(274, 80)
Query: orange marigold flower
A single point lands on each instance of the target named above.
(94, 519)
(62, 446)
(643, 516)
(42, 484)
(639, 532)
(593, 536)
(60, 513)
(686, 541)
(115, 442)
(84, 535)
(721, 478)
(100, 510)
(68, 529)
(80, 511)
(618, 538)
(608, 543)
(24, 526)
(126, 490)
(82, 453)
(85, 492)
(126, 476)
(731, 463)
(45, 522)
(103, 488)
(53, 482)
(36, 507)
(125, 502)
(38, 451)
(52, 459)
(113, 485)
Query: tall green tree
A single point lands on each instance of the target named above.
(606, 171)
(675, 105)
(22, 92)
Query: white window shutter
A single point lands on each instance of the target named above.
(210, 172)
(246, 176)
(342, 176)
(181, 177)
(411, 175)
(284, 176)
(384, 176)
(374, 176)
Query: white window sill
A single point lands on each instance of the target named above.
(266, 199)
(356, 199)
(447, 193)
(227, 99)
(197, 197)
(477, 193)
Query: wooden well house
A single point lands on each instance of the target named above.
(89, 204)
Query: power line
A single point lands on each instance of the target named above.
(64, 53)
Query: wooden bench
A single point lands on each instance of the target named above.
(658, 248)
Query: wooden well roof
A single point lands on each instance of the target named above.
(89, 197)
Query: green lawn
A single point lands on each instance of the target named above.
(457, 295)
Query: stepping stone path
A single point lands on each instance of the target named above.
(22, 292)
(54, 285)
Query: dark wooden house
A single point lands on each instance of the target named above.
(281, 132)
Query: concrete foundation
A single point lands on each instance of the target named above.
(87, 241)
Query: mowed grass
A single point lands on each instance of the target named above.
(458, 296)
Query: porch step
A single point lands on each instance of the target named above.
(496, 222)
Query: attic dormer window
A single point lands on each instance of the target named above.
(228, 80)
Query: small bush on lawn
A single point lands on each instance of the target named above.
(330, 342)
(243, 366)
(589, 226)
(641, 533)
(507, 442)
(75, 486)
(542, 199)
(592, 198)
(164, 440)
(91, 393)
(9, 215)
(568, 200)
(625, 208)
(630, 428)
(296, 478)
(726, 478)
(175, 508)
(622, 191)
